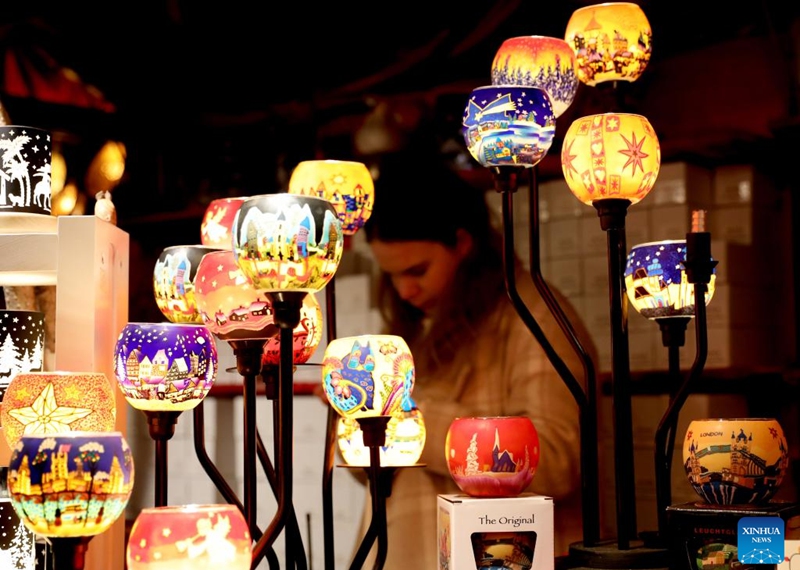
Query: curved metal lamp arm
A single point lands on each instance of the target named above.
(589, 449)
(330, 442)
(699, 267)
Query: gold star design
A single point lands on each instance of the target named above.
(46, 416)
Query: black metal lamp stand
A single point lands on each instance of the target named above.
(374, 430)
(287, 305)
(506, 183)
(161, 427)
(699, 267)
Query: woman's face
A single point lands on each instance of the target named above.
(421, 271)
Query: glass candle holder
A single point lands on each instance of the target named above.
(189, 537)
(735, 461)
(21, 344)
(611, 41)
(347, 185)
(538, 61)
(26, 189)
(368, 375)
(492, 456)
(656, 280)
(405, 440)
(284, 242)
(610, 156)
(72, 484)
(228, 303)
(41, 403)
(217, 224)
(173, 282)
(508, 125)
(165, 366)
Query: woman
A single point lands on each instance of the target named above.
(442, 289)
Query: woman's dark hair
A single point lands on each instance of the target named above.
(423, 199)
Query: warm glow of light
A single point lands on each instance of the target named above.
(368, 375)
(58, 173)
(91, 471)
(611, 42)
(217, 224)
(656, 280)
(173, 282)
(610, 156)
(345, 184)
(405, 440)
(538, 61)
(107, 167)
(65, 201)
(54, 402)
(508, 125)
(287, 242)
(306, 336)
(165, 366)
(190, 537)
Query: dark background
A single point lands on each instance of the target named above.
(223, 99)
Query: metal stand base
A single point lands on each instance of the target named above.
(606, 555)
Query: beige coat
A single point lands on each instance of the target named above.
(507, 373)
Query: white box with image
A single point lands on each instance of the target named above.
(513, 532)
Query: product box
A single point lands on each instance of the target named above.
(704, 535)
(509, 532)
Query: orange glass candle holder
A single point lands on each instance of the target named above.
(346, 184)
(611, 41)
(610, 156)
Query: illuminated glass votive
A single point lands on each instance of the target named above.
(611, 42)
(21, 344)
(28, 153)
(165, 366)
(229, 305)
(656, 280)
(347, 185)
(368, 375)
(41, 403)
(215, 229)
(72, 484)
(508, 125)
(610, 156)
(286, 242)
(538, 61)
(190, 537)
(306, 336)
(405, 440)
(173, 282)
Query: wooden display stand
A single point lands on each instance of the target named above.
(87, 260)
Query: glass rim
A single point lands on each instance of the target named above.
(73, 434)
(712, 419)
(659, 242)
(190, 508)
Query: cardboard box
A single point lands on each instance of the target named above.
(699, 532)
(492, 527)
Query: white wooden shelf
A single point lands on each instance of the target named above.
(87, 260)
